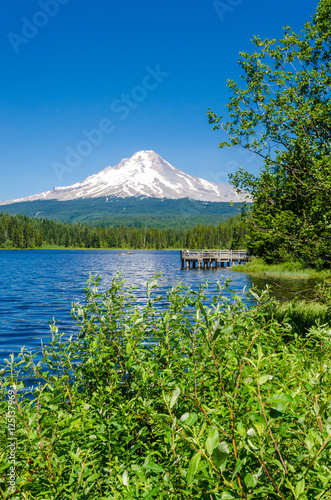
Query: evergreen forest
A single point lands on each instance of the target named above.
(23, 232)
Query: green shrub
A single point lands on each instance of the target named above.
(192, 402)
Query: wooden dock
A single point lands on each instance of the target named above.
(211, 259)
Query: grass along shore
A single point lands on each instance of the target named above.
(284, 269)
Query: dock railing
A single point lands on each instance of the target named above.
(214, 254)
(218, 257)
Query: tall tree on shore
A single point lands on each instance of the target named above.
(282, 114)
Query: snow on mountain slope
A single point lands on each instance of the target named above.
(144, 174)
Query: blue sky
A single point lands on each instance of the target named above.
(85, 84)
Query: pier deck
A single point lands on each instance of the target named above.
(208, 259)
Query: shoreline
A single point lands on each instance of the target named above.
(89, 249)
(289, 270)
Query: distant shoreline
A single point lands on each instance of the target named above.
(89, 249)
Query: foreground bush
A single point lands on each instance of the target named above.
(186, 403)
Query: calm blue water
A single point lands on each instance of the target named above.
(37, 286)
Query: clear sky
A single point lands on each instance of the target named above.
(139, 74)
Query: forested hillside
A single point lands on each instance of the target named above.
(20, 231)
(129, 212)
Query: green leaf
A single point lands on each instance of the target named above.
(263, 379)
(226, 330)
(250, 481)
(241, 428)
(174, 396)
(153, 492)
(299, 488)
(93, 477)
(239, 464)
(125, 478)
(260, 353)
(251, 433)
(138, 471)
(226, 496)
(280, 398)
(193, 467)
(184, 417)
(220, 454)
(202, 309)
(193, 417)
(212, 440)
(280, 401)
(218, 329)
(153, 467)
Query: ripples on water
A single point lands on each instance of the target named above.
(39, 285)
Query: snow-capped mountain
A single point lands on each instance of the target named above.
(144, 174)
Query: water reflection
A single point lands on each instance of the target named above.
(286, 288)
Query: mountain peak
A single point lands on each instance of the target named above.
(144, 159)
(145, 153)
(144, 174)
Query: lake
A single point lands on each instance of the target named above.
(39, 285)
